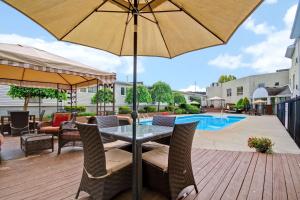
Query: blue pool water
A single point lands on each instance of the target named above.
(206, 122)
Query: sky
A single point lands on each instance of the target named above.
(258, 46)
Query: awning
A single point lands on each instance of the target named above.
(30, 67)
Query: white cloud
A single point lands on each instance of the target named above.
(227, 61)
(290, 16)
(192, 88)
(271, 1)
(259, 29)
(89, 56)
(265, 56)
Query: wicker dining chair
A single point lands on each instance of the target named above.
(19, 122)
(161, 120)
(105, 174)
(171, 166)
(104, 122)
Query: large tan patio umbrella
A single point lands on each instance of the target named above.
(165, 28)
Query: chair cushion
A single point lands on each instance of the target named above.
(49, 129)
(58, 118)
(71, 135)
(117, 159)
(158, 157)
(1, 139)
(115, 145)
(152, 145)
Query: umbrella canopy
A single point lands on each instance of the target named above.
(166, 28)
(30, 67)
(259, 101)
(216, 98)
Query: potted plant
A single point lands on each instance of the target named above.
(263, 145)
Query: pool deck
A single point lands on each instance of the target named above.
(234, 137)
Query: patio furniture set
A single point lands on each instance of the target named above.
(107, 172)
(34, 135)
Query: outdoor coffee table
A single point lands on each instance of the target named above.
(144, 133)
(36, 142)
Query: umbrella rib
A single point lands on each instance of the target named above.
(158, 26)
(155, 22)
(196, 20)
(121, 5)
(127, 21)
(83, 19)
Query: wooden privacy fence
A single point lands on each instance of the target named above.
(288, 113)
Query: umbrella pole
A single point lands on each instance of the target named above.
(135, 149)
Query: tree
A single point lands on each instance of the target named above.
(226, 78)
(104, 95)
(26, 93)
(143, 95)
(246, 103)
(161, 93)
(179, 98)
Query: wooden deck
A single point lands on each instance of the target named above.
(219, 175)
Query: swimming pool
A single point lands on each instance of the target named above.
(206, 122)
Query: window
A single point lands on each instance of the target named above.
(239, 90)
(83, 90)
(277, 84)
(228, 92)
(122, 91)
(261, 85)
(92, 89)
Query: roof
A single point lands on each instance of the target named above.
(32, 67)
(290, 51)
(264, 92)
(279, 91)
(296, 26)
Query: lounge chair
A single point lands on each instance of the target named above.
(19, 122)
(169, 169)
(105, 174)
(53, 126)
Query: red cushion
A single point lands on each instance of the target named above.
(59, 118)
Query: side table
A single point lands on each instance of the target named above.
(36, 142)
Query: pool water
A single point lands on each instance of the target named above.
(206, 122)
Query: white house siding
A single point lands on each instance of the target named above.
(295, 70)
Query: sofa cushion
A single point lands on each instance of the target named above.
(58, 118)
(158, 157)
(49, 129)
(1, 140)
(117, 159)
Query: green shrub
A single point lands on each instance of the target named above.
(263, 145)
(150, 109)
(179, 111)
(124, 110)
(190, 109)
(75, 109)
(183, 106)
(170, 108)
(86, 114)
(142, 111)
(240, 105)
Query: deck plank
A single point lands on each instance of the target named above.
(226, 175)
(268, 186)
(279, 186)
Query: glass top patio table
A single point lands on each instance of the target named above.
(144, 133)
